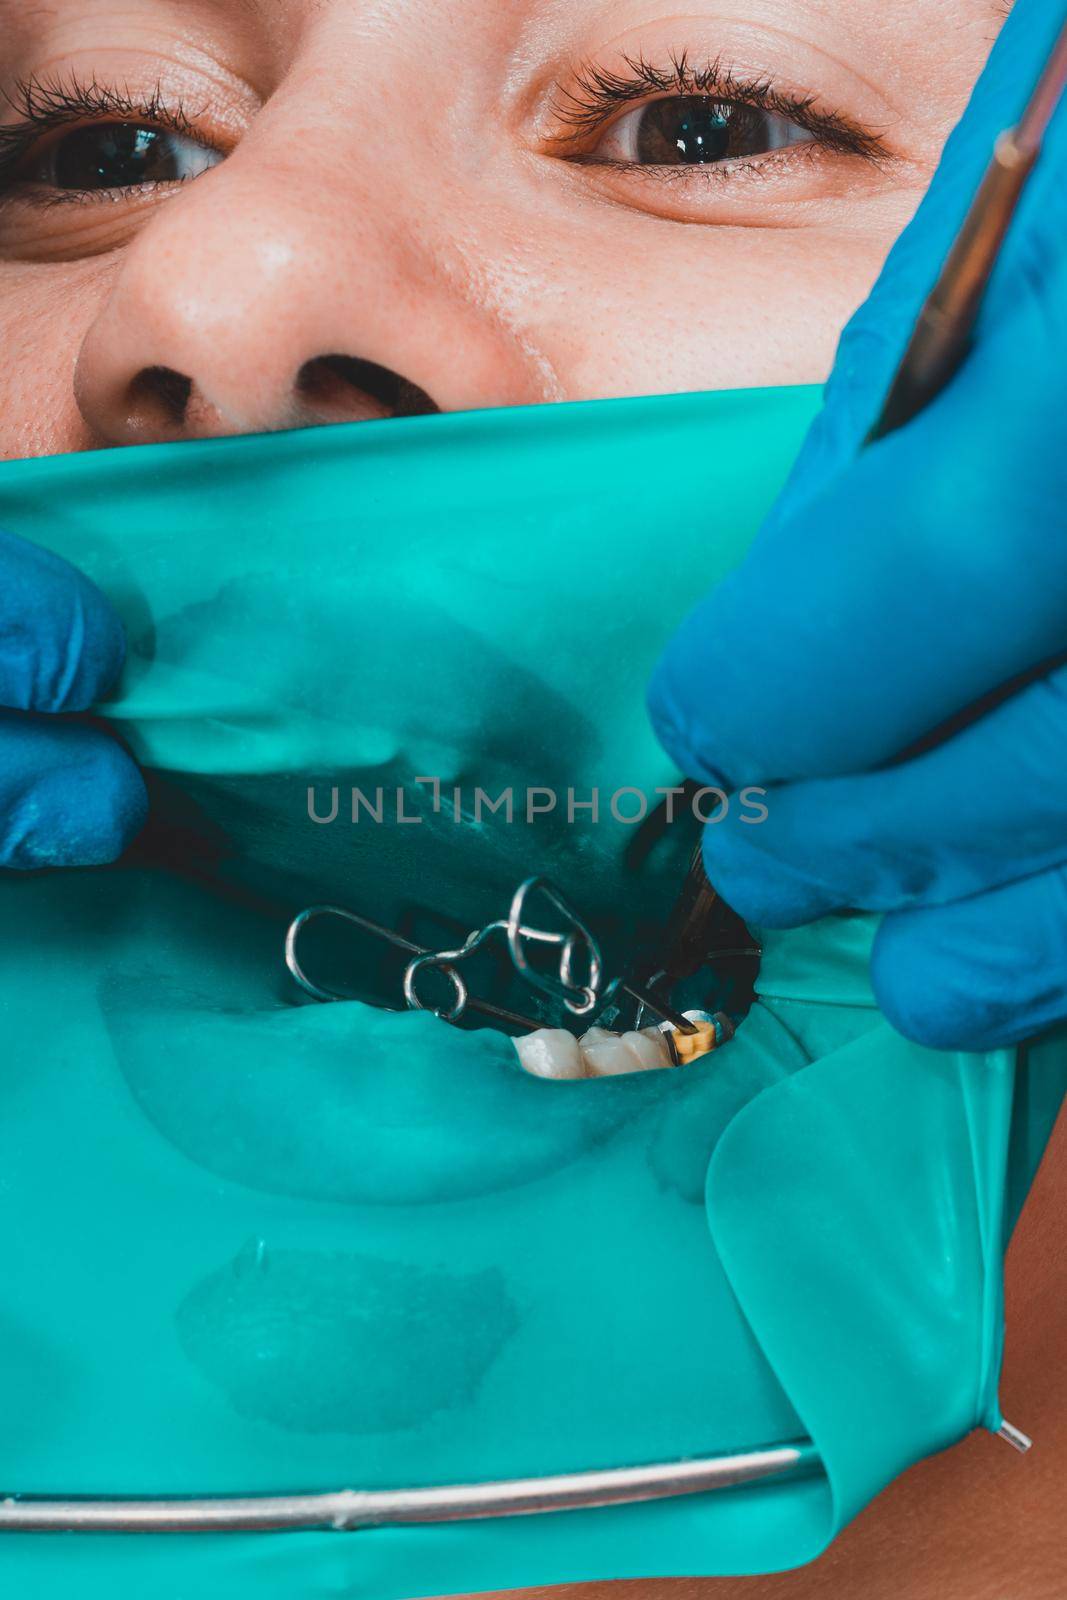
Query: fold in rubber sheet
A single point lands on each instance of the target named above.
(262, 1246)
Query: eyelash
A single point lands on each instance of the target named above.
(45, 105)
(598, 94)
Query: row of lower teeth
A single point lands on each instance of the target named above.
(555, 1053)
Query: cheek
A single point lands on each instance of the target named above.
(45, 313)
(687, 307)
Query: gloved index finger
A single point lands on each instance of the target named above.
(927, 577)
(61, 644)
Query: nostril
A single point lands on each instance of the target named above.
(157, 400)
(349, 386)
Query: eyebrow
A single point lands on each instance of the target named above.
(49, 12)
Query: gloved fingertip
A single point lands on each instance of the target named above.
(937, 991)
(103, 652)
(81, 810)
(64, 644)
(761, 887)
(674, 708)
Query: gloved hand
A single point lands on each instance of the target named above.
(69, 794)
(893, 590)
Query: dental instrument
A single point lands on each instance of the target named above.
(942, 335)
(581, 993)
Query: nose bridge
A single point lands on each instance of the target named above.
(237, 284)
(268, 264)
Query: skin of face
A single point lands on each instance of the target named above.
(404, 185)
(401, 186)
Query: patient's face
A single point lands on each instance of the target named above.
(231, 215)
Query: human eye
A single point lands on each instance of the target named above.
(77, 141)
(680, 117)
(696, 130)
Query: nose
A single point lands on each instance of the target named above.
(239, 309)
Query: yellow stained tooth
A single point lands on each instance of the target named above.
(691, 1046)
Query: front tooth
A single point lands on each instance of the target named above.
(551, 1053)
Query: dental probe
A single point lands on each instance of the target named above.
(942, 335)
(938, 345)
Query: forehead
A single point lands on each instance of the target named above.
(30, 17)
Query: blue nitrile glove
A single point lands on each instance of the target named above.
(889, 591)
(69, 794)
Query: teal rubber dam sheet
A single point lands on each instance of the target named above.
(258, 1245)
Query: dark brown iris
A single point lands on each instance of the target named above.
(114, 155)
(697, 130)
